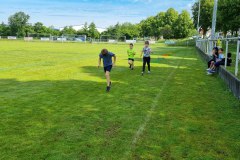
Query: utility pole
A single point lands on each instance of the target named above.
(214, 21)
(199, 11)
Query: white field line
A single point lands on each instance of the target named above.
(152, 109)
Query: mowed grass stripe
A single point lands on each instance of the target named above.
(154, 104)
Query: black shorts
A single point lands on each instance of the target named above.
(130, 59)
(108, 68)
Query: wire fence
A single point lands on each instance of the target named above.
(229, 74)
(76, 38)
(230, 45)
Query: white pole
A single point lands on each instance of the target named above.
(209, 47)
(214, 20)
(199, 11)
(226, 53)
(237, 57)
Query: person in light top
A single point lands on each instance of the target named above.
(220, 60)
(146, 52)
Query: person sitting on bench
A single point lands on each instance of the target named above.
(220, 60)
(229, 59)
(214, 57)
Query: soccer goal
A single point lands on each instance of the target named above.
(112, 38)
(74, 38)
(38, 36)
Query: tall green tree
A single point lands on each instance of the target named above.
(17, 23)
(129, 30)
(52, 31)
(166, 32)
(4, 30)
(160, 23)
(84, 30)
(206, 14)
(170, 17)
(228, 15)
(39, 28)
(147, 28)
(28, 29)
(69, 31)
(183, 25)
(93, 32)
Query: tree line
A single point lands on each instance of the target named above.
(18, 26)
(167, 25)
(228, 15)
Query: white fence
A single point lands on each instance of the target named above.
(206, 46)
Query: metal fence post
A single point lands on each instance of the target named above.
(237, 57)
(226, 53)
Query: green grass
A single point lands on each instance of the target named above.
(233, 49)
(53, 105)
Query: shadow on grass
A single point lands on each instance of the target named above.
(76, 119)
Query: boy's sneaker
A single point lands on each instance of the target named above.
(132, 69)
(149, 72)
(209, 73)
(212, 71)
(208, 69)
(108, 89)
(142, 73)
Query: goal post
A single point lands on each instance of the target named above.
(74, 38)
(112, 38)
(38, 36)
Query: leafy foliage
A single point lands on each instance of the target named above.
(228, 18)
(18, 23)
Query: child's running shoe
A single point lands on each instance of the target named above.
(108, 89)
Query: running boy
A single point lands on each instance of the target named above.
(108, 64)
(146, 57)
(131, 53)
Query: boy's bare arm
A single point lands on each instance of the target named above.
(99, 62)
(114, 60)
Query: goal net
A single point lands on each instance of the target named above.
(112, 39)
(38, 36)
(74, 38)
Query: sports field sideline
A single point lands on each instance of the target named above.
(53, 105)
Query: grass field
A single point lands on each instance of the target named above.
(53, 105)
(233, 49)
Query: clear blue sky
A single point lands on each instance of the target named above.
(60, 13)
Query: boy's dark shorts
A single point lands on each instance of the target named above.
(217, 64)
(108, 68)
(130, 59)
